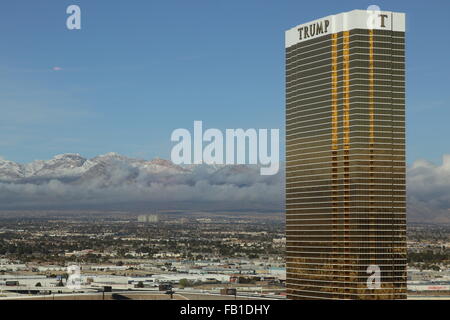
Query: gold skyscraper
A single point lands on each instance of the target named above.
(345, 157)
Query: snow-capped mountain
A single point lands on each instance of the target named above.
(116, 181)
(75, 166)
(10, 170)
(60, 165)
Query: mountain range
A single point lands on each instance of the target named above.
(114, 181)
(74, 166)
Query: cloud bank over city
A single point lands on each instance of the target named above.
(429, 191)
(113, 181)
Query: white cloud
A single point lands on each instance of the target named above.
(429, 185)
(120, 182)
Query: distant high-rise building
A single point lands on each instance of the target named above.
(345, 157)
(148, 218)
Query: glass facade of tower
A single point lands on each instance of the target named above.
(345, 165)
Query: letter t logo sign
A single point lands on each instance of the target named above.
(383, 17)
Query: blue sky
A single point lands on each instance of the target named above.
(140, 69)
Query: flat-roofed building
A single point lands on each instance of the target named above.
(345, 157)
